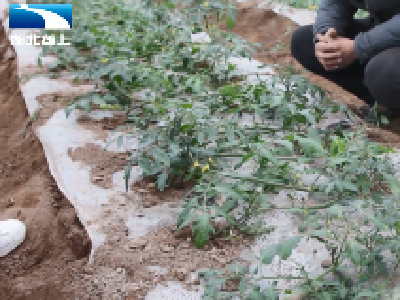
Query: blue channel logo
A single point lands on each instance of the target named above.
(40, 16)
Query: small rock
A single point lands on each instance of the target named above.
(98, 178)
(151, 185)
(115, 239)
(10, 203)
(326, 263)
(185, 245)
(143, 191)
(181, 274)
(222, 260)
(196, 281)
(137, 244)
(315, 251)
(167, 249)
(146, 204)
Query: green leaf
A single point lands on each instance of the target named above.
(169, 5)
(319, 233)
(287, 144)
(285, 248)
(310, 146)
(230, 23)
(266, 153)
(69, 109)
(226, 190)
(238, 269)
(186, 105)
(230, 133)
(200, 137)
(384, 120)
(183, 216)
(395, 187)
(337, 160)
(268, 254)
(335, 210)
(86, 105)
(276, 100)
(354, 251)
(310, 118)
(198, 86)
(270, 293)
(202, 230)
(120, 139)
(162, 181)
(381, 266)
(366, 295)
(244, 159)
(349, 186)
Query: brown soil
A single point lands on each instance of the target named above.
(56, 244)
(103, 164)
(263, 26)
(164, 255)
(151, 196)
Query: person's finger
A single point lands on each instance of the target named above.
(330, 56)
(322, 38)
(332, 65)
(327, 47)
(332, 33)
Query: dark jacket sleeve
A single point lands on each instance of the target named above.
(378, 39)
(336, 14)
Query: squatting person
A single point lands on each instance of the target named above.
(360, 55)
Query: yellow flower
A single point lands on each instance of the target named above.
(205, 168)
(104, 59)
(313, 7)
(210, 160)
(205, 4)
(196, 164)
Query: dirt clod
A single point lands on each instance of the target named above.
(327, 263)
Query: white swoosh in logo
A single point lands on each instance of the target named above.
(51, 19)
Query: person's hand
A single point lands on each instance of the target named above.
(328, 55)
(335, 52)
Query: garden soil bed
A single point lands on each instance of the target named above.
(52, 261)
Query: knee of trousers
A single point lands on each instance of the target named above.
(301, 37)
(382, 77)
